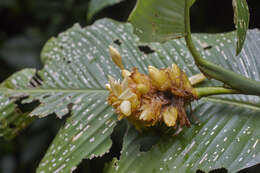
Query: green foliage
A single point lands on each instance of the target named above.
(241, 20)
(13, 119)
(158, 21)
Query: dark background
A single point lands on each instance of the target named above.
(26, 25)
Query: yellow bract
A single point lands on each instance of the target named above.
(170, 115)
(116, 57)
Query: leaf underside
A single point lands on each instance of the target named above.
(72, 82)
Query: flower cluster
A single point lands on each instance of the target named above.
(148, 100)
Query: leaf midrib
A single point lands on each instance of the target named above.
(210, 99)
(10, 91)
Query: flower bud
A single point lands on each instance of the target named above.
(175, 74)
(170, 116)
(108, 87)
(143, 89)
(116, 57)
(125, 73)
(125, 108)
(115, 86)
(145, 115)
(159, 78)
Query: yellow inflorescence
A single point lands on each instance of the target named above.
(148, 100)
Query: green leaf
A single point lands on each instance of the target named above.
(192, 2)
(97, 5)
(12, 118)
(241, 20)
(158, 21)
(86, 134)
(228, 132)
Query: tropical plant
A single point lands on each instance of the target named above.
(77, 64)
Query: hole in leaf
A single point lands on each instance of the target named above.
(207, 47)
(118, 42)
(36, 80)
(46, 96)
(67, 61)
(156, 15)
(69, 106)
(117, 138)
(26, 107)
(97, 164)
(221, 170)
(146, 49)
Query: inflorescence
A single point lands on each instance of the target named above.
(149, 100)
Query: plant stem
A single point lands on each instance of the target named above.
(230, 78)
(207, 91)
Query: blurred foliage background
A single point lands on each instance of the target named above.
(27, 24)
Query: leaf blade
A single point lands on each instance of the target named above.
(201, 147)
(158, 21)
(241, 20)
(85, 135)
(12, 118)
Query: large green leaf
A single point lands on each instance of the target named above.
(158, 21)
(76, 64)
(228, 132)
(97, 5)
(241, 20)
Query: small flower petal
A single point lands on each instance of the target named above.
(170, 116)
(159, 78)
(125, 107)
